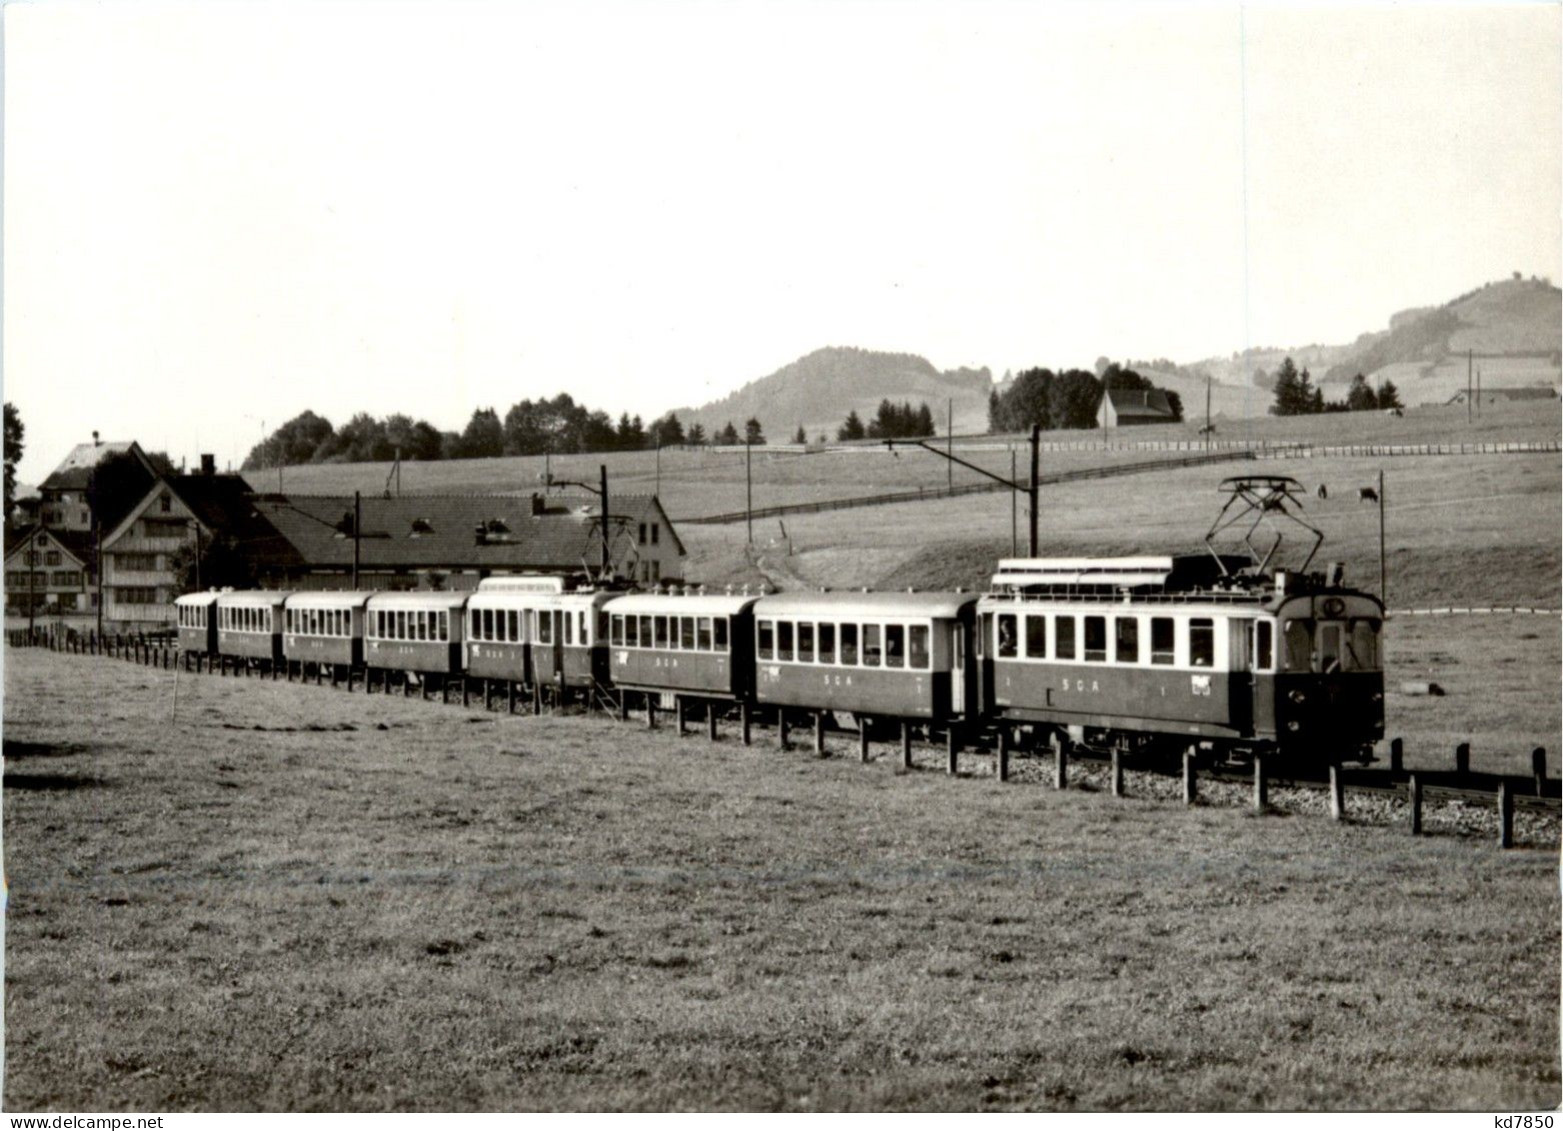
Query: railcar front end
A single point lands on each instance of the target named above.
(197, 617)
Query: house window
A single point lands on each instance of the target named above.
(165, 504)
(655, 529)
(137, 595)
(643, 534)
(52, 558)
(656, 571)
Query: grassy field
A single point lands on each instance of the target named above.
(700, 482)
(294, 898)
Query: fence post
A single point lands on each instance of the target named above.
(711, 719)
(952, 750)
(1505, 815)
(1117, 773)
(1538, 768)
(678, 713)
(1261, 785)
(1190, 781)
(1397, 755)
(1060, 764)
(651, 713)
(1462, 758)
(746, 721)
(906, 745)
(781, 727)
(819, 733)
(1337, 794)
(1003, 753)
(1414, 790)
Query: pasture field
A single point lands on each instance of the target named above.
(698, 482)
(295, 898)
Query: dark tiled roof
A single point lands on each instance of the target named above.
(78, 542)
(1140, 402)
(224, 504)
(76, 468)
(440, 531)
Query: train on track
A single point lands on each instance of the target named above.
(1145, 655)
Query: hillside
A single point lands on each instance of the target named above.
(1510, 329)
(819, 390)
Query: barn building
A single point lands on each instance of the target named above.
(454, 541)
(1121, 407)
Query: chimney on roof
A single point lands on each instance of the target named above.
(95, 441)
(208, 463)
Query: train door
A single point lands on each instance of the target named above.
(1240, 686)
(984, 659)
(561, 620)
(957, 668)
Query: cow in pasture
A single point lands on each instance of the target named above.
(1367, 495)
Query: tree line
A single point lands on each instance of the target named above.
(892, 422)
(556, 425)
(1296, 394)
(1069, 399)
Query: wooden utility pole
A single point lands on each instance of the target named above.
(1036, 443)
(1469, 357)
(1383, 576)
(32, 596)
(1207, 412)
(607, 556)
(748, 492)
(358, 525)
(949, 442)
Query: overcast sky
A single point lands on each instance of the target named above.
(218, 215)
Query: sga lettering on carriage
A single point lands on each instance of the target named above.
(89, 1122)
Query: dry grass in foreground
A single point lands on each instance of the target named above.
(276, 903)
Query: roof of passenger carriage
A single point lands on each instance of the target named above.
(330, 598)
(932, 604)
(198, 600)
(253, 598)
(417, 599)
(687, 604)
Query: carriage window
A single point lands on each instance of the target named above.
(632, 630)
(488, 624)
(765, 640)
(917, 645)
(1007, 640)
(871, 653)
(662, 631)
(585, 631)
(784, 640)
(827, 644)
(569, 629)
(1036, 637)
(1202, 642)
(602, 624)
(445, 626)
(514, 618)
(686, 633)
(1163, 646)
(703, 634)
(1299, 646)
(401, 625)
(1264, 646)
(545, 626)
(1329, 648)
(423, 626)
(618, 631)
(644, 634)
(849, 644)
(721, 634)
(1128, 650)
(895, 646)
(1064, 637)
(1095, 640)
(1362, 648)
(806, 643)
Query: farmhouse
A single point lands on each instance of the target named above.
(1134, 406)
(49, 571)
(70, 492)
(453, 541)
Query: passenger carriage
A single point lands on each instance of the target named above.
(500, 621)
(325, 628)
(417, 632)
(886, 655)
(1132, 652)
(196, 615)
(569, 641)
(693, 646)
(249, 626)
